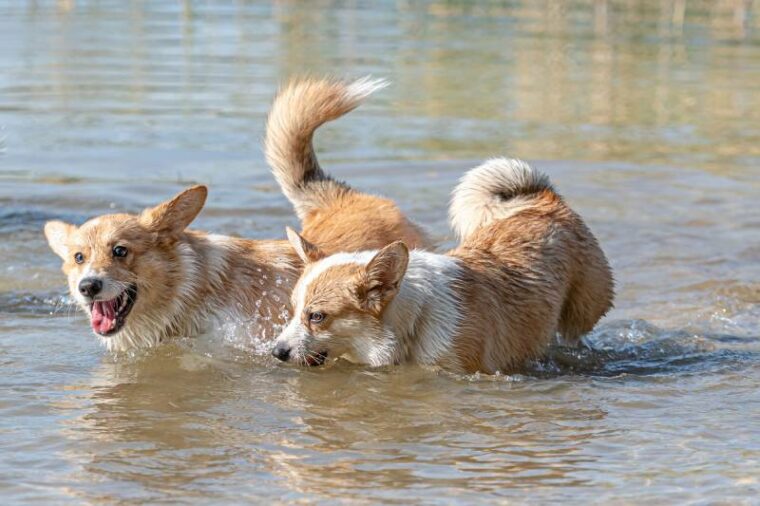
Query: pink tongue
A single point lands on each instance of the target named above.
(103, 317)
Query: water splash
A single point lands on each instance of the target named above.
(253, 334)
(637, 347)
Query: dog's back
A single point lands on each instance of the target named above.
(534, 268)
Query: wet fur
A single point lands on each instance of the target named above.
(526, 269)
(187, 281)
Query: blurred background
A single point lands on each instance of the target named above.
(650, 81)
(646, 115)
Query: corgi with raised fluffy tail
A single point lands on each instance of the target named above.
(527, 268)
(143, 278)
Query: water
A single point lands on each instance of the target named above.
(648, 125)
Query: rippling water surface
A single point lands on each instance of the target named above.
(645, 116)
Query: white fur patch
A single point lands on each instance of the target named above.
(216, 260)
(191, 275)
(426, 313)
(364, 87)
(492, 191)
(420, 323)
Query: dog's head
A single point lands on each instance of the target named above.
(338, 304)
(122, 267)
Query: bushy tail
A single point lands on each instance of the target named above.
(301, 107)
(494, 190)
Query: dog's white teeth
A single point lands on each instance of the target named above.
(123, 302)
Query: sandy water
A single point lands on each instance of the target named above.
(649, 128)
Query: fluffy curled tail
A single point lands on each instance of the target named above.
(301, 107)
(494, 190)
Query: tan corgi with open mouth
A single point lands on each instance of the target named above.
(142, 278)
(527, 268)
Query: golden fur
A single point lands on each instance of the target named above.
(186, 281)
(526, 269)
(331, 212)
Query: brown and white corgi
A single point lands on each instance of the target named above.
(526, 269)
(142, 278)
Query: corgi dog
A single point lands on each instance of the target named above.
(527, 268)
(143, 278)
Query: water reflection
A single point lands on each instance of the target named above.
(414, 429)
(175, 420)
(152, 423)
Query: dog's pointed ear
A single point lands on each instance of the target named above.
(173, 216)
(306, 250)
(384, 274)
(57, 234)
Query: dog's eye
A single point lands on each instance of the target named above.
(78, 258)
(119, 251)
(316, 317)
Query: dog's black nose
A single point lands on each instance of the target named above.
(90, 287)
(282, 352)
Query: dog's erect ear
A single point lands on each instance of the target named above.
(173, 216)
(306, 250)
(57, 234)
(383, 276)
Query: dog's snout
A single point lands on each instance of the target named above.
(281, 352)
(90, 287)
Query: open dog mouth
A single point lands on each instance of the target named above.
(315, 358)
(107, 316)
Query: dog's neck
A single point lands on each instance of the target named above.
(221, 282)
(423, 318)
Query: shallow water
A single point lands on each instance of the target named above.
(648, 126)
